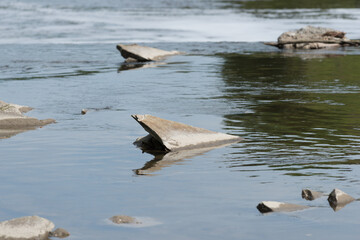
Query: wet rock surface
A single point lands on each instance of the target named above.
(137, 53)
(311, 37)
(338, 199)
(12, 120)
(310, 194)
(165, 135)
(26, 228)
(123, 219)
(273, 206)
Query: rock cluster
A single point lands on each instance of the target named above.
(311, 37)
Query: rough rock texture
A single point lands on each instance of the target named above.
(166, 135)
(313, 38)
(310, 194)
(123, 219)
(59, 233)
(338, 199)
(134, 52)
(25, 228)
(272, 206)
(13, 121)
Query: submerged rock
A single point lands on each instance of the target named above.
(59, 233)
(134, 52)
(12, 120)
(310, 194)
(123, 219)
(272, 206)
(31, 227)
(338, 199)
(312, 37)
(165, 135)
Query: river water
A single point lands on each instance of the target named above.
(297, 111)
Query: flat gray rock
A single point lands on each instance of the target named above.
(123, 219)
(272, 206)
(13, 121)
(166, 135)
(134, 52)
(339, 199)
(26, 228)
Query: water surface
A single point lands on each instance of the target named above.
(296, 110)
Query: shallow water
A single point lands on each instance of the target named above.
(298, 112)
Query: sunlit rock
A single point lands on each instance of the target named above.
(59, 233)
(313, 38)
(134, 52)
(310, 194)
(339, 199)
(272, 206)
(31, 227)
(166, 135)
(12, 120)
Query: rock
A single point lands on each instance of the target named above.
(313, 38)
(134, 52)
(338, 199)
(83, 111)
(271, 206)
(310, 194)
(31, 227)
(165, 135)
(59, 233)
(123, 219)
(13, 121)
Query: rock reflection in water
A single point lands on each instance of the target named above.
(138, 65)
(162, 160)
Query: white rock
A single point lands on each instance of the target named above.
(272, 206)
(168, 135)
(31, 227)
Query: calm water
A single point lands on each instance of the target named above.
(298, 112)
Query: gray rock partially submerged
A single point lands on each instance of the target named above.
(312, 37)
(338, 199)
(26, 228)
(12, 120)
(273, 206)
(123, 219)
(134, 52)
(165, 135)
(310, 194)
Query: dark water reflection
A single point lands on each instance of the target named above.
(302, 114)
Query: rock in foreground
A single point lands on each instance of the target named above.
(313, 38)
(165, 135)
(338, 199)
(13, 121)
(31, 227)
(59, 233)
(272, 206)
(134, 52)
